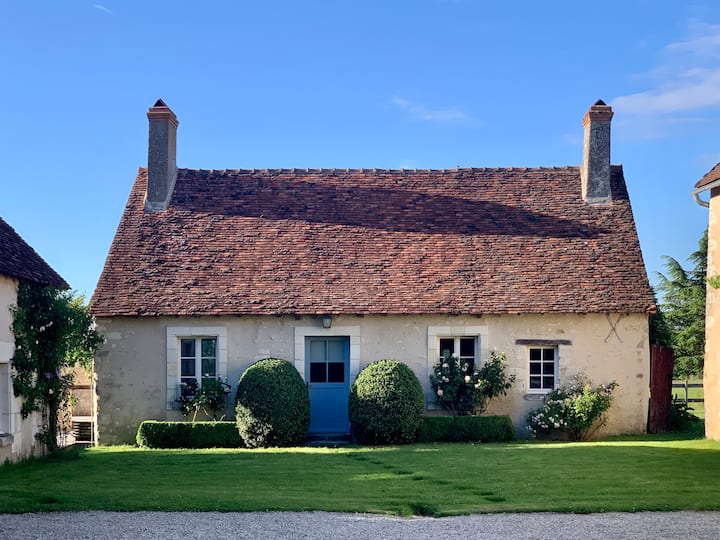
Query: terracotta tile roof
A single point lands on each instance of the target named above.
(18, 260)
(710, 177)
(368, 241)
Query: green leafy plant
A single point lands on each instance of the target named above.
(576, 410)
(53, 332)
(466, 429)
(714, 282)
(682, 417)
(386, 404)
(209, 398)
(463, 391)
(154, 434)
(272, 405)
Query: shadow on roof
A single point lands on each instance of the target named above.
(393, 210)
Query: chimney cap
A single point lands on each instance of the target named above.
(600, 112)
(161, 112)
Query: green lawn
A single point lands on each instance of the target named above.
(625, 474)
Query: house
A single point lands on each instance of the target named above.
(332, 269)
(711, 372)
(18, 262)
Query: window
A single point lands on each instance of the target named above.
(327, 357)
(464, 347)
(198, 361)
(543, 368)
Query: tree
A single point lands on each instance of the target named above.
(683, 307)
(53, 332)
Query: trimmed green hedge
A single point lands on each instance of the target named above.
(154, 434)
(466, 429)
(385, 405)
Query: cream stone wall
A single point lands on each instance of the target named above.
(711, 372)
(17, 435)
(133, 368)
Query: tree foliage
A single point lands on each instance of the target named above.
(683, 308)
(53, 332)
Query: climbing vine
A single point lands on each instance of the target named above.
(53, 332)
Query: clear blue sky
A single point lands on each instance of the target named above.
(414, 84)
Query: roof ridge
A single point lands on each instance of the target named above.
(376, 170)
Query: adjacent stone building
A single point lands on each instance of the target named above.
(711, 372)
(18, 262)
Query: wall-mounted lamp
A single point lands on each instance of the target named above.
(327, 321)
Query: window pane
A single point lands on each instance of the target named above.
(208, 348)
(535, 355)
(336, 372)
(467, 347)
(188, 386)
(535, 368)
(187, 367)
(534, 382)
(548, 368)
(317, 372)
(470, 363)
(187, 348)
(548, 382)
(549, 354)
(447, 347)
(335, 351)
(208, 367)
(317, 351)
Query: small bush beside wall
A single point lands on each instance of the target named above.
(385, 404)
(154, 434)
(466, 429)
(272, 405)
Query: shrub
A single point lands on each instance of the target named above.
(462, 391)
(466, 429)
(576, 410)
(272, 406)
(209, 398)
(154, 434)
(386, 404)
(681, 416)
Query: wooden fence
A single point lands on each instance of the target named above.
(687, 386)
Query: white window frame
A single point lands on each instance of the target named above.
(198, 358)
(435, 333)
(173, 337)
(556, 368)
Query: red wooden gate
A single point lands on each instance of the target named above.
(661, 370)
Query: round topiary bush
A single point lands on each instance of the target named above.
(386, 404)
(272, 405)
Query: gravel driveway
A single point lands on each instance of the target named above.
(214, 525)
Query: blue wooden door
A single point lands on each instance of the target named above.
(327, 361)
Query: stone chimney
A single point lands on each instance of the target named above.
(162, 169)
(595, 169)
